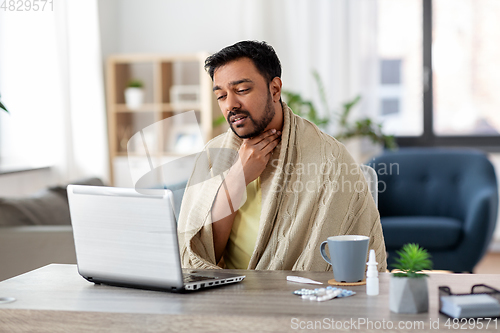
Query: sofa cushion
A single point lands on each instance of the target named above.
(44, 208)
(432, 233)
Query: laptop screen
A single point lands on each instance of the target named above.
(124, 236)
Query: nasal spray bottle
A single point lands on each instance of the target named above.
(372, 275)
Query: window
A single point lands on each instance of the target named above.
(439, 63)
(29, 87)
(399, 53)
(466, 67)
(390, 86)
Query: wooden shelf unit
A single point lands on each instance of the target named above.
(159, 73)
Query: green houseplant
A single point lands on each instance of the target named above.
(135, 83)
(408, 288)
(134, 94)
(3, 106)
(347, 129)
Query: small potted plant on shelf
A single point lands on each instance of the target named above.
(408, 288)
(134, 94)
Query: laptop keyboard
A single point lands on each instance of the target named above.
(193, 278)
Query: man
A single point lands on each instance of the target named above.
(277, 186)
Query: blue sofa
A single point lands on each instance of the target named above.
(446, 200)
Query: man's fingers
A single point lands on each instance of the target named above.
(271, 145)
(265, 141)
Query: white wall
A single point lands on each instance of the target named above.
(178, 26)
(108, 26)
(305, 34)
(152, 26)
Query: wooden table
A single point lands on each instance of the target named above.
(55, 298)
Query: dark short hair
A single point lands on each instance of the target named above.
(262, 54)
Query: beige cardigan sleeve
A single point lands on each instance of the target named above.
(195, 220)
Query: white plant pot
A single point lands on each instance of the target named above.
(363, 149)
(134, 97)
(408, 295)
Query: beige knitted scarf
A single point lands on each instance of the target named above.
(311, 189)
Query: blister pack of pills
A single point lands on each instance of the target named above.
(323, 294)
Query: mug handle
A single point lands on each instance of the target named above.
(323, 252)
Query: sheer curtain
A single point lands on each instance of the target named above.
(51, 80)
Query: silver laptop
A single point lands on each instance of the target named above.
(128, 239)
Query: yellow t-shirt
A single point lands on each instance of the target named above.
(245, 229)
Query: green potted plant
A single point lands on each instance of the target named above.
(362, 128)
(347, 129)
(134, 94)
(3, 106)
(408, 287)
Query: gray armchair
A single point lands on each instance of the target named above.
(445, 200)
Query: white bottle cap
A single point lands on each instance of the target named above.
(372, 259)
(372, 265)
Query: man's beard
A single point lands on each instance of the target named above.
(259, 125)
